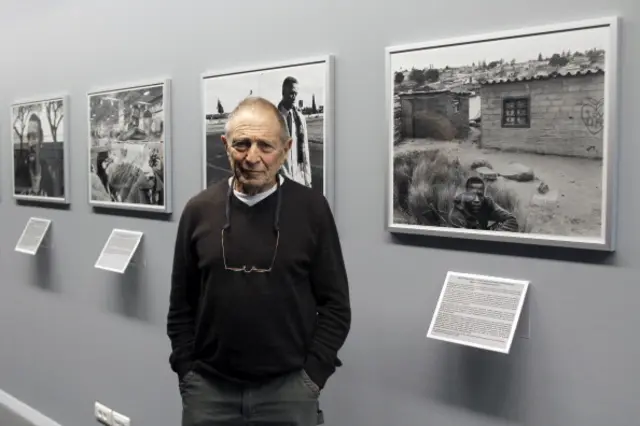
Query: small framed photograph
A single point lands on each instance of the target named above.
(130, 147)
(302, 90)
(40, 139)
(509, 136)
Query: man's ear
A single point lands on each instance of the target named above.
(287, 145)
(224, 141)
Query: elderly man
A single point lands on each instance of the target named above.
(259, 303)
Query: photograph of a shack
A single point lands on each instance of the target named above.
(502, 135)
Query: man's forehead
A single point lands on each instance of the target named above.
(255, 112)
(257, 118)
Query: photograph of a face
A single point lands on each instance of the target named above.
(298, 90)
(506, 138)
(129, 147)
(39, 140)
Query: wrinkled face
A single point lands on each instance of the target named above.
(255, 148)
(477, 189)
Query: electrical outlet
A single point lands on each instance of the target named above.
(103, 414)
(120, 420)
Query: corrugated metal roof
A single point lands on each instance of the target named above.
(546, 76)
(411, 92)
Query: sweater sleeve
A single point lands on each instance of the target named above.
(185, 282)
(331, 290)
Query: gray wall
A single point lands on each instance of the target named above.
(70, 335)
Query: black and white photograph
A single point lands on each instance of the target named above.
(40, 155)
(129, 147)
(300, 90)
(505, 137)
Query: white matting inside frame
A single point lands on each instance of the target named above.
(118, 251)
(478, 311)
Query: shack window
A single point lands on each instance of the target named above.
(515, 112)
(456, 105)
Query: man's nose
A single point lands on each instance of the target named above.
(252, 155)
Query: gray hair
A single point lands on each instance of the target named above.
(257, 101)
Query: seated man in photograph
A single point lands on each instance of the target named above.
(473, 209)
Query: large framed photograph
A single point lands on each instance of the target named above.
(40, 139)
(130, 147)
(508, 137)
(303, 92)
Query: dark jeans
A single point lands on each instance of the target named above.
(290, 400)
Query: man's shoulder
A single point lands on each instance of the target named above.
(311, 200)
(458, 200)
(213, 195)
(305, 193)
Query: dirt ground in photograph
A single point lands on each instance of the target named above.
(571, 207)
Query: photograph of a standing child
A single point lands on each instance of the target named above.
(39, 149)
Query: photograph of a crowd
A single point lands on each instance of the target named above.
(128, 147)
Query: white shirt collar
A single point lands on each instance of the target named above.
(252, 200)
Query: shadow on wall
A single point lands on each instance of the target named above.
(482, 381)
(42, 274)
(129, 295)
(489, 383)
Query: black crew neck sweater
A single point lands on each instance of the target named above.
(251, 327)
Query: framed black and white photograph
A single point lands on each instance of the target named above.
(130, 147)
(302, 90)
(40, 139)
(509, 136)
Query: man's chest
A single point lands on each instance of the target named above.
(254, 242)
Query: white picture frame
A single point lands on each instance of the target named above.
(157, 132)
(211, 139)
(52, 114)
(492, 47)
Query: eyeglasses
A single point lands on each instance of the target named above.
(227, 225)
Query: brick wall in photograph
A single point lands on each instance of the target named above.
(565, 115)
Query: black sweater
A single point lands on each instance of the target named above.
(253, 327)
